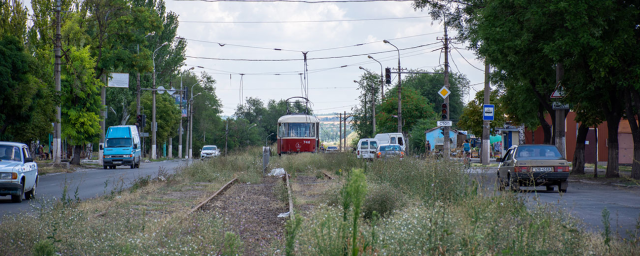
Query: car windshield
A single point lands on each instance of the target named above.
(390, 148)
(209, 148)
(374, 144)
(118, 142)
(9, 153)
(538, 152)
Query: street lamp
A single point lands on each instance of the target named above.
(381, 76)
(138, 80)
(399, 88)
(191, 123)
(180, 132)
(373, 104)
(265, 140)
(153, 121)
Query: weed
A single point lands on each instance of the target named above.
(292, 227)
(232, 244)
(139, 183)
(44, 248)
(606, 233)
(382, 199)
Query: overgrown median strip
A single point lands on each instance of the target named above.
(411, 207)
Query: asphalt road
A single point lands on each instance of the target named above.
(586, 201)
(89, 182)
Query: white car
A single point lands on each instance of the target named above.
(209, 151)
(367, 148)
(18, 172)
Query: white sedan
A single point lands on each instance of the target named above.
(18, 171)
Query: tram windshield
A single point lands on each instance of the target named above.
(297, 130)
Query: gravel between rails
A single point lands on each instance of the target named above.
(251, 211)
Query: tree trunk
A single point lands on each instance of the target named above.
(632, 102)
(578, 154)
(546, 128)
(613, 163)
(76, 155)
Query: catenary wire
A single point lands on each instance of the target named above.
(300, 21)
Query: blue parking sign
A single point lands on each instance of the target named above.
(488, 112)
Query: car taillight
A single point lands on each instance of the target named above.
(379, 154)
(358, 152)
(521, 169)
(401, 154)
(562, 169)
(14, 176)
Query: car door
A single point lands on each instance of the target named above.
(503, 169)
(373, 146)
(364, 149)
(31, 169)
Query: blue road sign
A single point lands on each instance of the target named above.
(488, 111)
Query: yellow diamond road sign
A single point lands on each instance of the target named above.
(444, 92)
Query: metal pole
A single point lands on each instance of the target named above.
(446, 146)
(344, 133)
(191, 126)
(153, 111)
(180, 129)
(399, 88)
(560, 129)
(226, 136)
(57, 133)
(340, 133)
(486, 139)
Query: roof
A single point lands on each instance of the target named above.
(298, 119)
(17, 144)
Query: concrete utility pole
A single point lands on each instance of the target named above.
(180, 129)
(559, 129)
(446, 146)
(340, 133)
(344, 133)
(57, 133)
(486, 139)
(154, 127)
(226, 136)
(399, 87)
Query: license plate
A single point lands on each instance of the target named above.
(543, 169)
(117, 162)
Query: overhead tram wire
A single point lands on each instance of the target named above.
(292, 50)
(317, 58)
(300, 21)
(295, 1)
(465, 59)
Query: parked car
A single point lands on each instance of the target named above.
(209, 151)
(331, 149)
(389, 151)
(533, 165)
(122, 147)
(367, 148)
(391, 138)
(18, 171)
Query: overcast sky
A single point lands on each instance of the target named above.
(331, 86)
(330, 90)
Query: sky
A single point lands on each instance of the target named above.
(252, 30)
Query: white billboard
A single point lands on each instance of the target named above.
(119, 80)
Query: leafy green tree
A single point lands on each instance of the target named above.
(428, 86)
(368, 84)
(418, 138)
(13, 19)
(414, 108)
(168, 121)
(81, 98)
(472, 115)
(19, 91)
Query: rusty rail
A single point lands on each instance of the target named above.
(291, 214)
(225, 187)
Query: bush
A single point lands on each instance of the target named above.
(382, 199)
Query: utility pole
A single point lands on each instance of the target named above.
(180, 129)
(57, 133)
(340, 133)
(400, 87)
(345, 131)
(559, 129)
(486, 139)
(446, 146)
(226, 136)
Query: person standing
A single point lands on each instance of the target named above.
(427, 147)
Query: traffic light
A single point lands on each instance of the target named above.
(444, 111)
(139, 120)
(387, 75)
(143, 123)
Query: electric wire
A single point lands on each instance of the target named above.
(300, 21)
(295, 1)
(465, 59)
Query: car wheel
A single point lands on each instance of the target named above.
(563, 186)
(133, 165)
(32, 194)
(18, 198)
(549, 188)
(515, 186)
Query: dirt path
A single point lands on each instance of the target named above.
(251, 210)
(308, 191)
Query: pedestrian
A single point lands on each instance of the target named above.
(41, 152)
(427, 147)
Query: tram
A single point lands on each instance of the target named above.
(298, 132)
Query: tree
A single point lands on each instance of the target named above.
(418, 137)
(472, 115)
(363, 113)
(428, 86)
(169, 119)
(414, 108)
(81, 100)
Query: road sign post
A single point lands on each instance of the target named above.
(488, 111)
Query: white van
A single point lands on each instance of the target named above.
(392, 138)
(367, 148)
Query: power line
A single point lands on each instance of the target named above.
(317, 58)
(465, 59)
(295, 1)
(301, 21)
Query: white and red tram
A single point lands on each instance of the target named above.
(298, 133)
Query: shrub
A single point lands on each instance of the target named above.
(383, 199)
